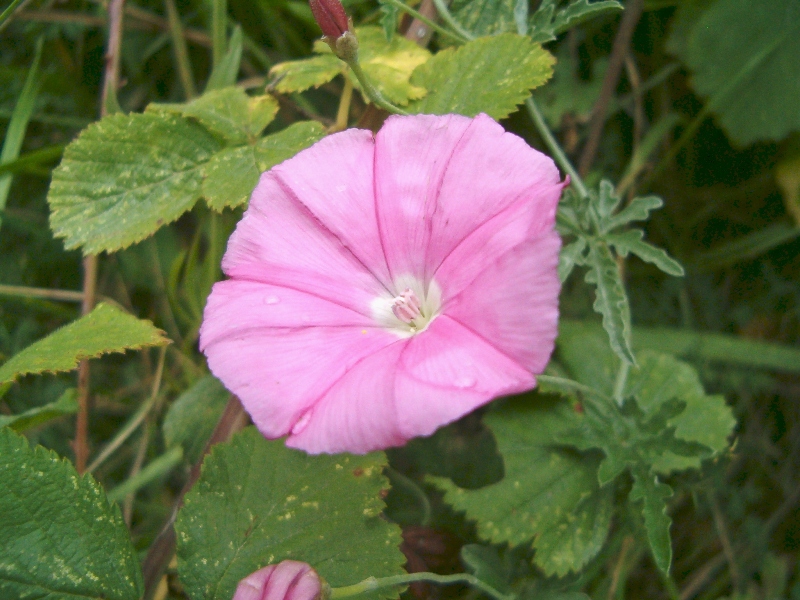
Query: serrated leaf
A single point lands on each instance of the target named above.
(258, 502)
(67, 404)
(300, 75)
(744, 59)
(62, 539)
(547, 493)
(546, 23)
(126, 176)
(193, 415)
(106, 329)
(389, 64)
(232, 173)
(226, 72)
(571, 255)
(228, 112)
(631, 241)
(490, 75)
(653, 494)
(611, 301)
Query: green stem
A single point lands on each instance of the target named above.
(417, 491)
(554, 147)
(447, 17)
(219, 34)
(182, 60)
(8, 11)
(371, 92)
(622, 380)
(458, 37)
(371, 583)
(569, 383)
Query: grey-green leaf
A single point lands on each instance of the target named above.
(491, 75)
(486, 17)
(631, 241)
(611, 301)
(637, 210)
(653, 495)
(546, 23)
(571, 255)
(126, 176)
(61, 538)
(258, 502)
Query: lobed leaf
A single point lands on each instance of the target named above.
(631, 241)
(106, 329)
(637, 210)
(62, 539)
(611, 301)
(489, 75)
(486, 17)
(258, 502)
(547, 22)
(653, 495)
(572, 254)
(126, 176)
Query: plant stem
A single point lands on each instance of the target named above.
(219, 38)
(458, 37)
(554, 147)
(418, 492)
(181, 52)
(371, 92)
(569, 383)
(156, 469)
(371, 583)
(344, 106)
(447, 17)
(622, 380)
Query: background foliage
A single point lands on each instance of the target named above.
(659, 457)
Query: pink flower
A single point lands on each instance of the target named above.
(384, 285)
(288, 580)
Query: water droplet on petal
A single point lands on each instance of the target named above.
(271, 300)
(465, 382)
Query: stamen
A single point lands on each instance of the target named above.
(406, 306)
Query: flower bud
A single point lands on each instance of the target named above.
(288, 580)
(330, 17)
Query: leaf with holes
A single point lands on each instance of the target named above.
(105, 329)
(258, 502)
(126, 176)
(61, 536)
(491, 75)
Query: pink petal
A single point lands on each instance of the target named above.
(514, 302)
(523, 220)
(279, 371)
(252, 586)
(279, 241)
(411, 156)
(460, 174)
(292, 580)
(358, 413)
(448, 371)
(334, 180)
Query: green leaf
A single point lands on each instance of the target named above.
(571, 255)
(491, 75)
(654, 494)
(258, 502)
(486, 564)
(389, 65)
(232, 173)
(485, 17)
(126, 176)
(225, 73)
(631, 241)
(744, 60)
(546, 23)
(62, 539)
(105, 329)
(388, 21)
(547, 493)
(67, 404)
(300, 75)
(191, 418)
(228, 112)
(637, 210)
(611, 301)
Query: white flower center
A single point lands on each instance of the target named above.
(412, 310)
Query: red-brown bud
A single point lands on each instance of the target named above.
(330, 17)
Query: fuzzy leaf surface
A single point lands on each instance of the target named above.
(631, 242)
(126, 176)
(548, 495)
(105, 329)
(491, 75)
(258, 502)
(744, 60)
(62, 539)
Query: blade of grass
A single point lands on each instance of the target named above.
(182, 61)
(19, 123)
